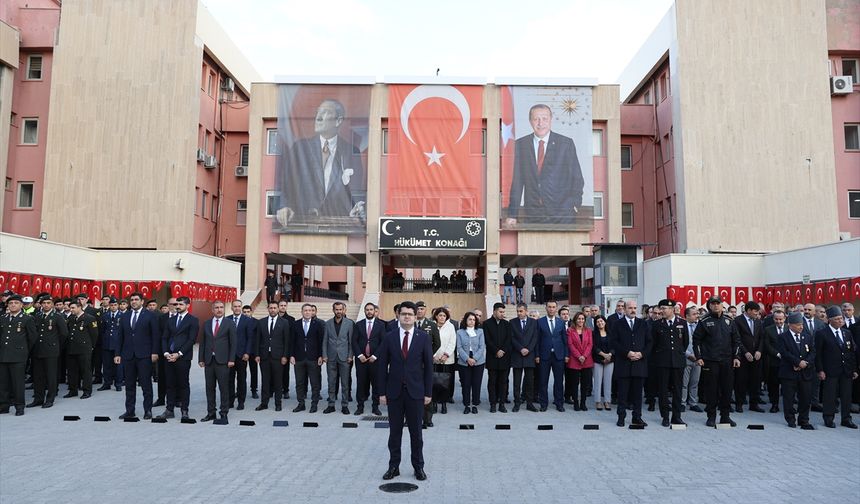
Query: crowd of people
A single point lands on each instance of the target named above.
(797, 359)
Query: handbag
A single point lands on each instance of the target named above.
(442, 381)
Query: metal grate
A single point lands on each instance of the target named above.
(374, 418)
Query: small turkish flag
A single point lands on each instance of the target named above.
(808, 293)
(67, 287)
(855, 288)
(4, 277)
(831, 291)
(844, 290)
(707, 292)
(768, 295)
(690, 293)
(145, 289)
(38, 283)
(759, 295)
(673, 292)
(741, 294)
(24, 285)
(796, 294)
(96, 291)
(128, 289)
(819, 296)
(726, 294)
(76, 287)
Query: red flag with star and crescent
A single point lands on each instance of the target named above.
(435, 151)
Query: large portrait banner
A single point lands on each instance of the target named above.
(547, 178)
(321, 149)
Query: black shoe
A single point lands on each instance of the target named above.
(474, 410)
(224, 418)
(582, 406)
(254, 394)
(391, 473)
(359, 411)
(344, 410)
(35, 403)
(531, 407)
(817, 407)
(103, 387)
(727, 420)
(848, 423)
(807, 426)
(278, 407)
(184, 414)
(70, 394)
(638, 421)
(829, 423)
(502, 408)
(167, 414)
(261, 407)
(126, 415)
(313, 408)
(467, 410)
(620, 421)
(757, 409)
(711, 422)
(329, 409)
(678, 421)
(240, 407)
(376, 411)
(444, 409)
(48, 404)
(158, 403)
(650, 406)
(791, 423)
(118, 388)
(559, 408)
(739, 408)
(299, 407)
(665, 422)
(696, 408)
(420, 475)
(19, 411)
(86, 395)
(683, 408)
(147, 415)
(208, 418)
(542, 409)
(97, 381)
(492, 408)
(774, 408)
(516, 407)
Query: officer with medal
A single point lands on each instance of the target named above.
(429, 326)
(17, 337)
(716, 343)
(83, 334)
(836, 363)
(53, 332)
(668, 355)
(796, 352)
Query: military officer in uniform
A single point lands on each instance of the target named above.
(17, 337)
(83, 334)
(53, 332)
(716, 343)
(428, 326)
(109, 335)
(796, 354)
(670, 340)
(836, 363)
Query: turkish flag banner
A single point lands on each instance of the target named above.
(673, 292)
(128, 289)
(777, 294)
(726, 294)
(24, 283)
(855, 288)
(759, 294)
(741, 294)
(707, 292)
(4, 277)
(13, 282)
(820, 292)
(113, 288)
(38, 284)
(96, 291)
(844, 293)
(831, 291)
(76, 287)
(796, 294)
(435, 151)
(690, 293)
(67, 287)
(145, 289)
(57, 289)
(85, 288)
(808, 293)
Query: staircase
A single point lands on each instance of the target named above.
(294, 309)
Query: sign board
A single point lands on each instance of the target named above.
(405, 233)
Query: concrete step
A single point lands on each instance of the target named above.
(324, 309)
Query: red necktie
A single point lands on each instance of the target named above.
(541, 154)
(217, 326)
(405, 349)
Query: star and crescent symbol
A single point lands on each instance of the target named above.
(423, 92)
(385, 229)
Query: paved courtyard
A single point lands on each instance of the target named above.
(46, 459)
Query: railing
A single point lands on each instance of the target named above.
(324, 293)
(398, 284)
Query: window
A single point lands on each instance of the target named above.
(627, 215)
(627, 157)
(850, 67)
(854, 204)
(619, 267)
(30, 131)
(214, 214)
(243, 155)
(25, 195)
(241, 212)
(484, 142)
(8, 185)
(206, 142)
(196, 198)
(384, 141)
(34, 67)
(203, 204)
(670, 212)
(272, 142)
(210, 87)
(203, 74)
(597, 142)
(273, 201)
(852, 137)
(659, 214)
(664, 86)
(598, 205)
(647, 100)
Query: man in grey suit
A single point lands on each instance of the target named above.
(524, 344)
(217, 354)
(337, 356)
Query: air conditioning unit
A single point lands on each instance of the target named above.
(210, 162)
(201, 155)
(227, 84)
(841, 84)
(241, 171)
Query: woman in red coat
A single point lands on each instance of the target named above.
(581, 363)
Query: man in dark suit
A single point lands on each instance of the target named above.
(306, 341)
(497, 336)
(670, 339)
(139, 346)
(748, 376)
(631, 343)
(547, 183)
(109, 335)
(17, 335)
(253, 371)
(272, 344)
(812, 325)
(772, 335)
(323, 176)
(366, 339)
(245, 334)
(53, 331)
(852, 324)
(177, 344)
(552, 356)
(217, 354)
(405, 375)
(83, 333)
(836, 363)
(285, 372)
(796, 351)
(524, 340)
(716, 343)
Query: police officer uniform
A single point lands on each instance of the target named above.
(53, 331)
(716, 343)
(83, 334)
(668, 356)
(17, 337)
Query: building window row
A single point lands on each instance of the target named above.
(852, 137)
(29, 131)
(854, 204)
(25, 195)
(626, 215)
(34, 67)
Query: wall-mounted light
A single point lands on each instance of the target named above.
(43, 235)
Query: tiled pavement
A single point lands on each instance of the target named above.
(44, 459)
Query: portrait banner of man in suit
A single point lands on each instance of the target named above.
(547, 142)
(321, 150)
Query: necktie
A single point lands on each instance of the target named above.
(367, 345)
(797, 340)
(133, 319)
(752, 325)
(236, 320)
(271, 325)
(326, 152)
(779, 330)
(630, 323)
(551, 325)
(541, 154)
(523, 322)
(306, 327)
(178, 320)
(215, 331)
(405, 349)
(839, 337)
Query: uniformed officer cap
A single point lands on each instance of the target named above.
(27, 299)
(14, 297)
(666, 302)
(834, 311)
(7, 293)
(715, 299)
(112, 299)
(795, 318)
(81, 296)
(420, 304)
